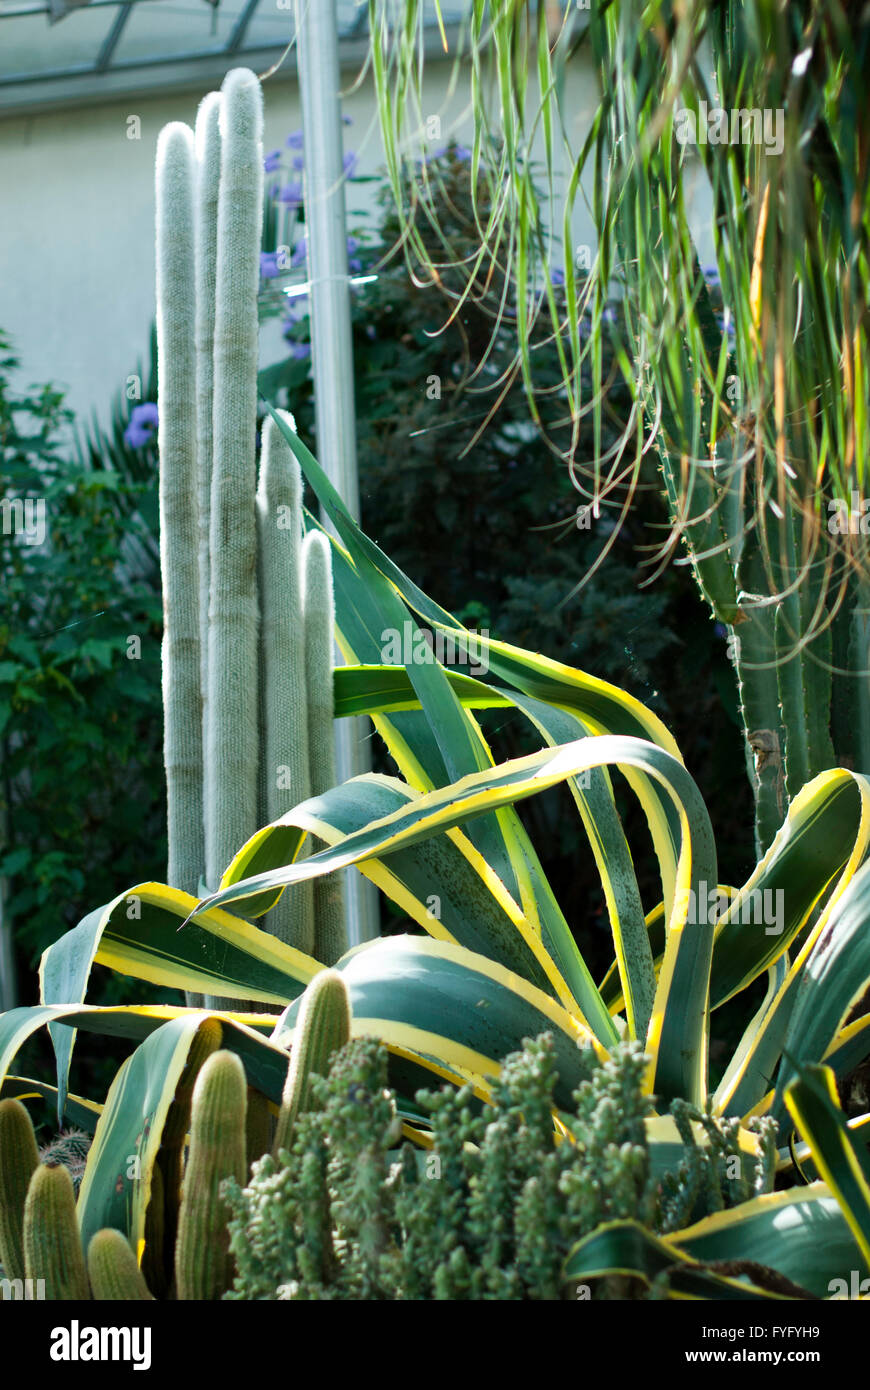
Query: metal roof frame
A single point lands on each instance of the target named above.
(107, 79)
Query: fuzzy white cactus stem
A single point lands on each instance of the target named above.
(231, 749)
(284, 724)
(208, 170)
(176, 376)
(330, 940)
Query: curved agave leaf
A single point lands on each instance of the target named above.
(390, 687)
(677, 1037)
(826, 975)
(835, 973)
(627, 1247)
(137, 934)
(604, 708)
(79, 1110)
(130, 1022)
(814, 1106)
(821, 844)
(472, 907)
(802, 1233)
(116, 1186)
(433, 1000)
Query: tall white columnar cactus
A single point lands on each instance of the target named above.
(208, 172)
(285, 779)
(330, 934)
(248, 608)
(232, 734)
(176, 372)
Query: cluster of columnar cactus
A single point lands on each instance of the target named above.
(226, 1126)
(248, 615)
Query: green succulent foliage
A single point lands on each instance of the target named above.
(494, 1203)
(79, 673)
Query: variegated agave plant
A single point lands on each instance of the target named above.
(499, 961)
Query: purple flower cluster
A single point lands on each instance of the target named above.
(143, 423)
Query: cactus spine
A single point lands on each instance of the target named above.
(322, 1027)
(19, 1159)
(178, 534)
(238, 733)
(52, 1244)
(217, 1151)
(113, 1271)
(330, 936)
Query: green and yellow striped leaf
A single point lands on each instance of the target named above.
(814, 1106)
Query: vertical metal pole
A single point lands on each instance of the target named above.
(331, 342)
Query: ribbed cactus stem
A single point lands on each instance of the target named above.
(176, 375)
(284, 726)
(330, 939)
(208, 171)
(203, 1268)
(167, 1173)
(322, 1027)
(232, 736)
(113, 1271)
(19, 1159)
(52, 1244)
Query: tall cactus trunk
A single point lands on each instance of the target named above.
(208, 168)
(330, 934)
(176, 373)
(231, 747)
(285, 777)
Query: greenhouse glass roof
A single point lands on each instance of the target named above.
(59, 52)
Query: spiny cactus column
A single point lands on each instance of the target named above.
(232, 735)
(176, 373)
(217, 1151)
(52, 1244)
(330, 936)
(113, 1271)
(323, 1026)
(285, 778)
(249, 727)
(19, 1159)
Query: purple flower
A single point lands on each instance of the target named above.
(711, 274)
(300, 253)
(294, 140)
(349, 163)
(298, 162)
(272, 160)
(300, 351)
(462, 152)
(348, 120)
(143, 422)
(557, 276)
(291, 194)
(269, 265)
(355, 265)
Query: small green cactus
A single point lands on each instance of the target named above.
(52, 1244)
(113, 1270)
(322, 1027)
(71, 1148)
(19, 1158)
(217, 1151)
